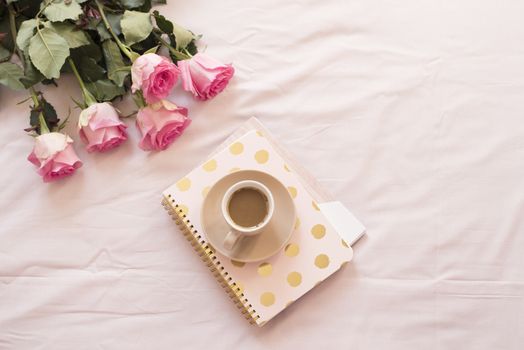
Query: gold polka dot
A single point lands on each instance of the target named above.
(236, 148)
(292, 191)
(316, 284)
(205, 191)
(232, 170)
(260, 133)
(183, 184)
(210, 165)
(294, 279)
(267, 299)
(291, 250)
(262, 156)
(184, 209)
(297, 223)
(315, 206)
(286, 168)
(238, 263)
(343, 264)
(318, 231)
(265, 269)
(344, 244)
(289, 303)
(239, 287)
(322, 261)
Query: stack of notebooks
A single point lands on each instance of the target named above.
(319, 245)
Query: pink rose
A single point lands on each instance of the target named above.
(155, 75)
(160, 124)
(101, 128)
(204, 76)
(54, 156)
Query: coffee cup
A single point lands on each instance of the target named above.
(247, 207)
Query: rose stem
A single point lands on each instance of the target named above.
(34, 95)
(132, 55)
(88, 98)
(177, 54)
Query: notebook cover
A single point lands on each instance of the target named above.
(315, 251)
(346, 224)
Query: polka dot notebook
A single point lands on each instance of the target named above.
(261, 289)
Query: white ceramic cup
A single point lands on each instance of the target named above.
(237, 231)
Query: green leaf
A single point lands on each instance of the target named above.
(163, 23)
(33, 118)
(92, 50)
(49, 113)
(7, 41)
(74, 36)
(136, 26)
(49, 82)
(114, 21)
(89, 70)
(31, 75)
(25, 33)
(145, 44)
(105, 90)
(154, 49)
(191, 48)
(132, 4)
(10, 75)
(180, 37)
(114, 62)
(5, 54)
(103, 32)
(48, 52)
(183, 36)
(146, 7)
(60, 11)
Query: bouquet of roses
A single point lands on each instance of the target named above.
(113, 48)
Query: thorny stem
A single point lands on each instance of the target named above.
(44, 129)
(34, 97)
(132, 55)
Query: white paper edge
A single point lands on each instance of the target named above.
(344, 222)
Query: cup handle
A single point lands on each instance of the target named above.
(232, 239)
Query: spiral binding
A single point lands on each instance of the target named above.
(208, 256)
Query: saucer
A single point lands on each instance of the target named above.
(263, 245)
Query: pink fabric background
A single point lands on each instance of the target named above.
(411, 113)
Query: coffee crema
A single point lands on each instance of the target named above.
(248, 207)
